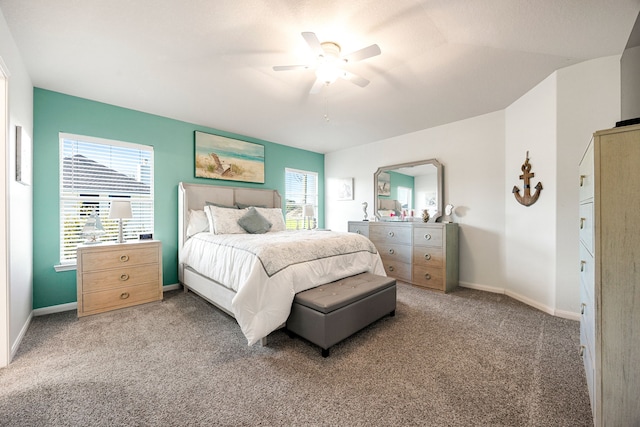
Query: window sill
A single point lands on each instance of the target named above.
(64, 267)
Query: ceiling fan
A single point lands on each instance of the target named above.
(329, 64)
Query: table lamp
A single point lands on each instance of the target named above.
(120, 209)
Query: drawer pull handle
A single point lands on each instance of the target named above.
(391, 268)
(124, 295)
(358, 232)
(581, 350)
(391, 252)
(582, 264)
(582, 306)
(582, 221)
(124, 277)
(391, 234)
(427, 236)
(124, 258)
(427, 256)
(582, 177)
(427, 276)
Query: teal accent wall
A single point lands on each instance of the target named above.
(174, 148)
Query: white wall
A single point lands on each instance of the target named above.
(530, 252)
(530, 231)
(20, 222)
(472, 152)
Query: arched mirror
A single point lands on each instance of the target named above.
(409, 187)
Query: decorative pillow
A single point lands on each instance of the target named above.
(208, 214)
(275, 217)
(225, 220)
(253, 222)
(198, 223)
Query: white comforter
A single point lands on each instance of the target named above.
(267, 270)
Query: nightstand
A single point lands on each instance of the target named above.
(118, 275)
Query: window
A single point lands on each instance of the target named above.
(404, 197)
(301, 189)
(93, 172)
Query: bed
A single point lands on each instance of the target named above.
(254, 277)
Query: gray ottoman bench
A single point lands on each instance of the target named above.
(330, 313)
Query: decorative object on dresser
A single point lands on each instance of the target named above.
(527, 199)
(609, 248)
(92, 229)
(364, 209)
(425, 215)
(120, 209)
(422, 254)
(112, 276)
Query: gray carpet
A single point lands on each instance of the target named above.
(468, 358)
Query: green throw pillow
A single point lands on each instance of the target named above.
(253, 222)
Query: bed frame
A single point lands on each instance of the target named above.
(194, 196)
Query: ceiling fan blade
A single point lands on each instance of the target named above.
(317, 86)
(355, 79)
(363, 53)
(313, 42)
(289, 67)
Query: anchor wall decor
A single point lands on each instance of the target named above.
(527, 199)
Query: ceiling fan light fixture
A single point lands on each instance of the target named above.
(327, 72)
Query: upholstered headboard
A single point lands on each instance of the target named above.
(194, 196)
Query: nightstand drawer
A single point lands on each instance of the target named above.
(120, 297)
(119, 257)
(124, 276)
(428, 277)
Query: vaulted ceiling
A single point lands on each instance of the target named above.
(210, 62)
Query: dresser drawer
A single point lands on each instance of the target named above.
(589, 366)
(121, 256)
(124, 276)
(397, 269)
(359, 229)
(427, 236)
(428, 277)
(389, 234)
(427, 256)
(391, 252)
(587, 175)
(587, 270)
(587, 319)
(120, 297)
(586, 225)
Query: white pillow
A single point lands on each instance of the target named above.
(225, 220)
(198, 223)
(275, 217)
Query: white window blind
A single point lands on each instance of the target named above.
(301, 188)
(93, 172)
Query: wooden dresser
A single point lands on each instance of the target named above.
(112, 276)
(610, 278)
(423, 254)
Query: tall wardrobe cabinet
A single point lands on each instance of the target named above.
(610, 274)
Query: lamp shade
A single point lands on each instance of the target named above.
(308, 210)
(120, 209)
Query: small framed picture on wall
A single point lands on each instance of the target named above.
(345, 189)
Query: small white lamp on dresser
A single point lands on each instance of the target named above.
(120, 209)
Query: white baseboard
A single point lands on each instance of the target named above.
(74, 305)
(558, 313)
(23, 331)
(485, 288)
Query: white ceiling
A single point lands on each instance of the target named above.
(209, 61)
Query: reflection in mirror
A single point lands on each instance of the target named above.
(404, 190)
